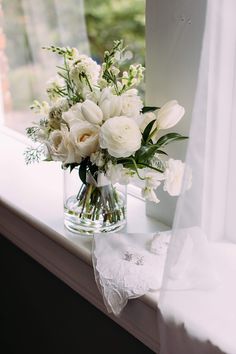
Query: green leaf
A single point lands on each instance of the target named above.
(147, 130)
(170, 137)
(149, 109)
(83, 171)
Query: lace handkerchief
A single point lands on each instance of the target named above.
(127, 266)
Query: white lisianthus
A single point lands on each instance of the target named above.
(131, 103)
(174, 176)
(152, 179)
(84, 66)
(61, 147)
(53, 87)
(97, 158)
(169, 115)
(120, 136)
(149, 194)
(110, 104)
(145, 119)
(85, 137)
(91, 112)
(118, 174)
(73, 115)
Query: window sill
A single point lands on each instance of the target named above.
(31, 216)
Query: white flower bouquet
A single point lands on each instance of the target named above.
(95, 121)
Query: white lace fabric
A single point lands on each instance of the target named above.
(127, 266)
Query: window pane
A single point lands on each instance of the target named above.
(89, 25)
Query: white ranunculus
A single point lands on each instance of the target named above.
(169, 115)
(149, 194)
(110, 104)
(120, 136)
(131, 103)
(73, 115)
(61, 147)
(91, 112)
(85, 138)
(174, 176)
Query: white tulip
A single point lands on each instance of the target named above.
(169, 115)
(73, 115)
(120, 136)
(174, 176)
(85, 138)
(110, 104)
(91, 112)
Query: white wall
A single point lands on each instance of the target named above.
(174, 30)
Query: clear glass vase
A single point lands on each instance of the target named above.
(94, 207)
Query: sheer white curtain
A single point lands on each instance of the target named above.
(198, 298)
(27, 26)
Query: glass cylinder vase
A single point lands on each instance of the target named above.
(94, 206)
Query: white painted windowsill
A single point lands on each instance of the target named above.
(31, 216)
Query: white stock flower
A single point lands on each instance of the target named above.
(169, 115)
(85, 137)
(110, 104)
(73, 115)
(53, 88)
(61, 148)
(91, 112)
(149, 194)
(84, 65)
(131, 103)
(174, 177)
(120, 136)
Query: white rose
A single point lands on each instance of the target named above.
(61, 147)
(73, 115)
(169, 115)
(131, 103)
(174, 176)
(91, 112)
(110, 104)
(149, 194)
(85, 138)
(120, 136)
